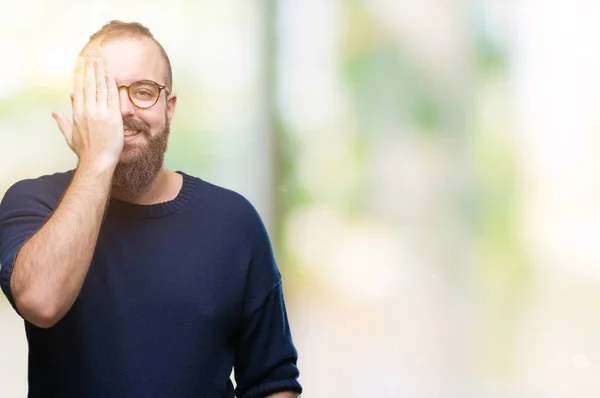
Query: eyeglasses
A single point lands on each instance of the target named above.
(144, 94)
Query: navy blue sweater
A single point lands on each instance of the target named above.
(177, 295)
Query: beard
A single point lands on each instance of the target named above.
(140, 163)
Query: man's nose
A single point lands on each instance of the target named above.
(125, 104)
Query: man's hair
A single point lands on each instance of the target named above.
(116, 29)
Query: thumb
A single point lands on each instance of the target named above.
(64, 126)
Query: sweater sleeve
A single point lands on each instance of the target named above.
(23, 211)
(266, 358)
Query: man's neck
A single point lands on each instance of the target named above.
(164, 187)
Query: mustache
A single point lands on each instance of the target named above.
(137, 125)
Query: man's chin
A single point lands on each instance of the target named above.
(130, 154)
(126, 161)
(140, 161)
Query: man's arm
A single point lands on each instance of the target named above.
(266, 357)
(51, 266)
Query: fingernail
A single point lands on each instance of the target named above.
(90, 53)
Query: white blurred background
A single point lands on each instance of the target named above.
(427, 169)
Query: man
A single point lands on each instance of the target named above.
(133, 280)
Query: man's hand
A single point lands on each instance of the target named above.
(96, 135)
(52, 264)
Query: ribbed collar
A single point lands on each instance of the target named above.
(158, 210)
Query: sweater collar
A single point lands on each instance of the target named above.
(158, 210)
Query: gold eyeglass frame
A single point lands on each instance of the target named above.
(159, 86)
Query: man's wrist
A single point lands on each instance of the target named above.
(98, 166)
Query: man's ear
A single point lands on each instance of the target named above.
(171, 104)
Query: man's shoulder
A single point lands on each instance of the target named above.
(221, 195)
(226, 201)
(48, 188)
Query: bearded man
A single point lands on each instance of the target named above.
(134, 280)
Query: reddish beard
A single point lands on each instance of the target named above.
(137, 170)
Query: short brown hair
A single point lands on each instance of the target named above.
(118, 29)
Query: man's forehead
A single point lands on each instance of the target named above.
(126, 49)
(127, 58)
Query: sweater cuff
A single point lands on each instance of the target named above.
(264, 390)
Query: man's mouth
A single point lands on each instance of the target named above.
(130, 133)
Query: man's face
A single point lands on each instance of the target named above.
(146, 130)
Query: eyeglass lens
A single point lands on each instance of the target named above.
(144, 94)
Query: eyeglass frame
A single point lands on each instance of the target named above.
(160, 89)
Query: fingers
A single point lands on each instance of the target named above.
(65, 127)
(113, 95)
(101, 93)
(78, 85)
(89, 83)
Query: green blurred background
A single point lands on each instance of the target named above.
(427, 171)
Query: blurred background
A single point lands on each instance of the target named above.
(427, 170)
